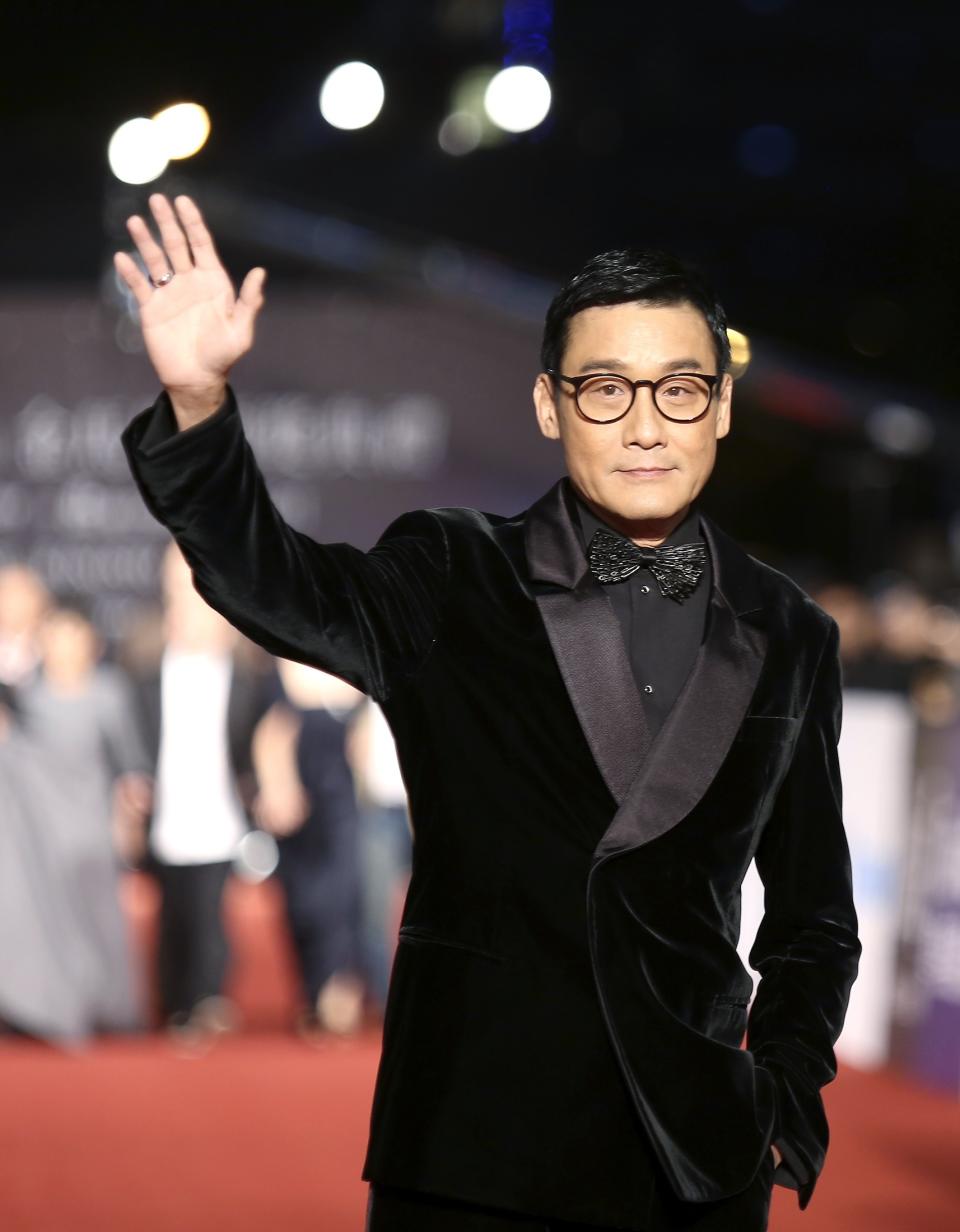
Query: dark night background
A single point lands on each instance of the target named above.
(834, 239)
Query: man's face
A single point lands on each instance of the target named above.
(641, 472)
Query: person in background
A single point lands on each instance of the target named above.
(307, 801)
(866, 663)
(24, 599)
(71, 751)
(199, 709)
(903, 624)
(386, 843)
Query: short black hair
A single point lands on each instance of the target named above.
(72, 604)
(632, 275)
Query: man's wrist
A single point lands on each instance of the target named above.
(192, 405)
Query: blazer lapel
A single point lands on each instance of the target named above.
(697, 734)
(586, 640)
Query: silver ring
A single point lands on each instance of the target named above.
(162, 281)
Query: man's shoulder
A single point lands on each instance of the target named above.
(452, 520)
(778, 593)
(459, 540)
(785, 595)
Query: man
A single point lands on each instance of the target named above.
(592, 766)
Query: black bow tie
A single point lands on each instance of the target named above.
(676, 569)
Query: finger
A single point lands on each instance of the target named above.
(201, 241)
(250, 299)
(171, 233)
(154, 258)
(130, 274)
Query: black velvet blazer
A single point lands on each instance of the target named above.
(567, 1007)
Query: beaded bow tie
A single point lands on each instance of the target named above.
(677, 569)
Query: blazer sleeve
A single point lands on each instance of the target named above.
(807, 949)
(367, 617)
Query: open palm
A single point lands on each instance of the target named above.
(194, 326)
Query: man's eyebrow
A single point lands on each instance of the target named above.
(603, 365)
(685, 364)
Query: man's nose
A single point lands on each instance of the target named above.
(643, 424)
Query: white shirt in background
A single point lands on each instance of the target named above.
(198, 817)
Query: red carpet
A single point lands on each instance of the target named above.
(263, 1133)
(268, 1133)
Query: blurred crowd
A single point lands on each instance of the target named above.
(896, 638)
(188, 755)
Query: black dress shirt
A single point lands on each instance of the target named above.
(662, 636)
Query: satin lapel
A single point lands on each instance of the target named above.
(696, 737)
(592, 658)
(586, 640)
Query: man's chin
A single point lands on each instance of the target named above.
(616, 501)
(646, 510)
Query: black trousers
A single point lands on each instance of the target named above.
(193, 951)
(400, 1210)
(391, 1209)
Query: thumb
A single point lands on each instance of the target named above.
(250, 300)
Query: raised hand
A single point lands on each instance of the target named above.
(194, 327)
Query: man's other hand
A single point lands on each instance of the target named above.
(194, 327)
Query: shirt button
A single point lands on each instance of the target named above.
(644, 590)
(648, 688)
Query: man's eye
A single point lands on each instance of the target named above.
(605, 389)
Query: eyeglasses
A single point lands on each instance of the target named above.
(605, 397)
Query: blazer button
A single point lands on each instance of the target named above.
(648, 688)
(644, 590)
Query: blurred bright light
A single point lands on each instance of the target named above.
(352, 95)
(518, 98)
(460, 133)
(257, 856)
(901, 430)
(184, 128)
(136, 152)
(466, 104)
(739, 352)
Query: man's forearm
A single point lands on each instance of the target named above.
(364, 616)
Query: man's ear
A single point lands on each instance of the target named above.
(724, 401)
(548, 415)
